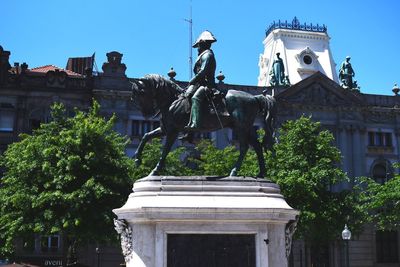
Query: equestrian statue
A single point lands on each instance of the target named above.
(203, 108)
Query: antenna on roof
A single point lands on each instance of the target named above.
(190, 21)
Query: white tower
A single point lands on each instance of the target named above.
(304, 49)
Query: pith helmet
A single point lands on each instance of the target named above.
(205, 36)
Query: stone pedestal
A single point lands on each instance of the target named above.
(248, 217)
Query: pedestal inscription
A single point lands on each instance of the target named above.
(215, 250)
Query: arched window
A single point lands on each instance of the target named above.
(37, 117)
(381, 171)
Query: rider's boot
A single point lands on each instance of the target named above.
(195, 122)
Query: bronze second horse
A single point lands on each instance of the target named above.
(155, 94)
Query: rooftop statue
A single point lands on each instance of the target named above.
(346, 74)
(277, 73)
(210, 110)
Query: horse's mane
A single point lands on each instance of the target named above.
(158, 82)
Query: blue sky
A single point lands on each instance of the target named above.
(153, 35)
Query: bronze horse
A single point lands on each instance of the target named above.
(157, 95)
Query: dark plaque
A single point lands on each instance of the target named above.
(211, 250)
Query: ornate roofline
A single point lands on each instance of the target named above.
(295, 25)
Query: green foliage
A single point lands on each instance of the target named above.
(382, 201)
(65, 177)
(305, 165)
(219, 162)
(213, 161)
(151, 155)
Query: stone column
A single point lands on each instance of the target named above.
(363, 149)
(356, 151)
(344, 147)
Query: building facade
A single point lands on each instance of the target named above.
(366, 127)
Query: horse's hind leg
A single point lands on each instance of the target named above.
(170, 139)
(260, 157)
(147, 137)
(243, 147)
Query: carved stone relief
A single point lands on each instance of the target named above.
(380, 117)
(114, 66)
(289, 232)
(56, 78)
(317, 95)
(125, 231)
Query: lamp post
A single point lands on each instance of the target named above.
(346, 235)
(98, 256)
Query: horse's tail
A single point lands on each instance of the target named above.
(269, 109)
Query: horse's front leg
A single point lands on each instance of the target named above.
(148, 136)
(170, 139)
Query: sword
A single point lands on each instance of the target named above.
(216, 113)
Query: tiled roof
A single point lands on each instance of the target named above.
(47, 68)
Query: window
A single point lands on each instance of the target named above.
(387, 246)
(6, 120)
(205, 135)
(146, 127)
(371, 139)
(50, 243)
(388, 139)
(135, 128)
(29, 244)
(39, 116)
(380, 139)
(139, 127)
(381, 172)
(34, 124)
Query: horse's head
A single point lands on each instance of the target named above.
(153, 92)
(143, 97)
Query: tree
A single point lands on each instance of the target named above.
(306, 167)
(64, 178)
(382, 201)
(151, 156)
(211, 160)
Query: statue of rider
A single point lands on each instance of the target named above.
(203, 80)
